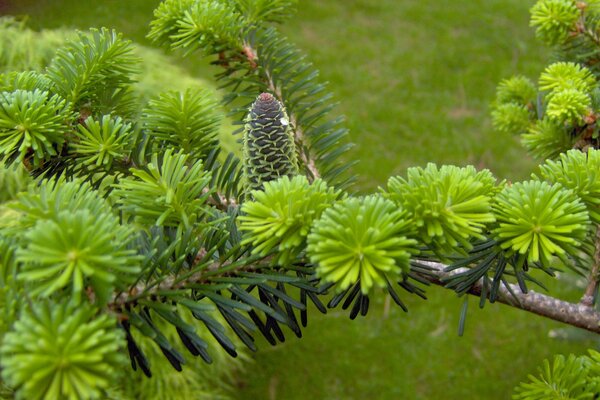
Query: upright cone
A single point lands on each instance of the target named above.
(269, 150)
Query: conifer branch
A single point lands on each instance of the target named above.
(143, 289)
(578, 315)
(138, 211)
(185, 281)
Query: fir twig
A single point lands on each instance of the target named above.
(592, 287)
(578, 315)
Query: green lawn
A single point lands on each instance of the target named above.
(415, 79)
(406, 356)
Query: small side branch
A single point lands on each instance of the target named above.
(299, 137)
(592, 287)
(219, 201)
(308, 161)
(578, 315)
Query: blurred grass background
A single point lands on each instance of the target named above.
(415, 80)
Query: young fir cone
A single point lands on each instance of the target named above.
(269, 150)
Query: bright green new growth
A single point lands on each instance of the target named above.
(46, 199)
(69, 239)
(579, 172)
(561, 118)
(13, 179)
(569, 87)
(449, 205)
(363, 238)
(281, 215)
(554, 20)
(60, 351)
(31, 121)
(547, 139)
(102, 141)
(269, 149)
(26, 80)
(517, 89)
(537, 220)
(567, 378)
(188, 121)
(569, 106)
(511, 118)
(75, 250)
(512, 111)
(567, 75)
(168, 192)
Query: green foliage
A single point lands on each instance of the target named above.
(517, 89)
(511, 118)
(281, 215)
(512, 110)
(569, 87)
(564, 114)
(571, 378)
(70, 239)
(167, 192)
(101, 142)
(578, 171)
(210, 25)
(26, 49)
(11, 295)
(363, 239)
(547, 139)
(257, 59)
(13, 179)
(449, 205)
(60, 239)
(569, 106)
(93, 67)
(196, 381)
(269, 150)
(567, 75)
(165, 24)
(537, 220)
(47, 198)
(188, 121)
(568, 91)
(554, 20)
(179, 207)
(27, 80)
(594, 366)
(77, 249)
(31, 122)
(265, 10)
(61, 351)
